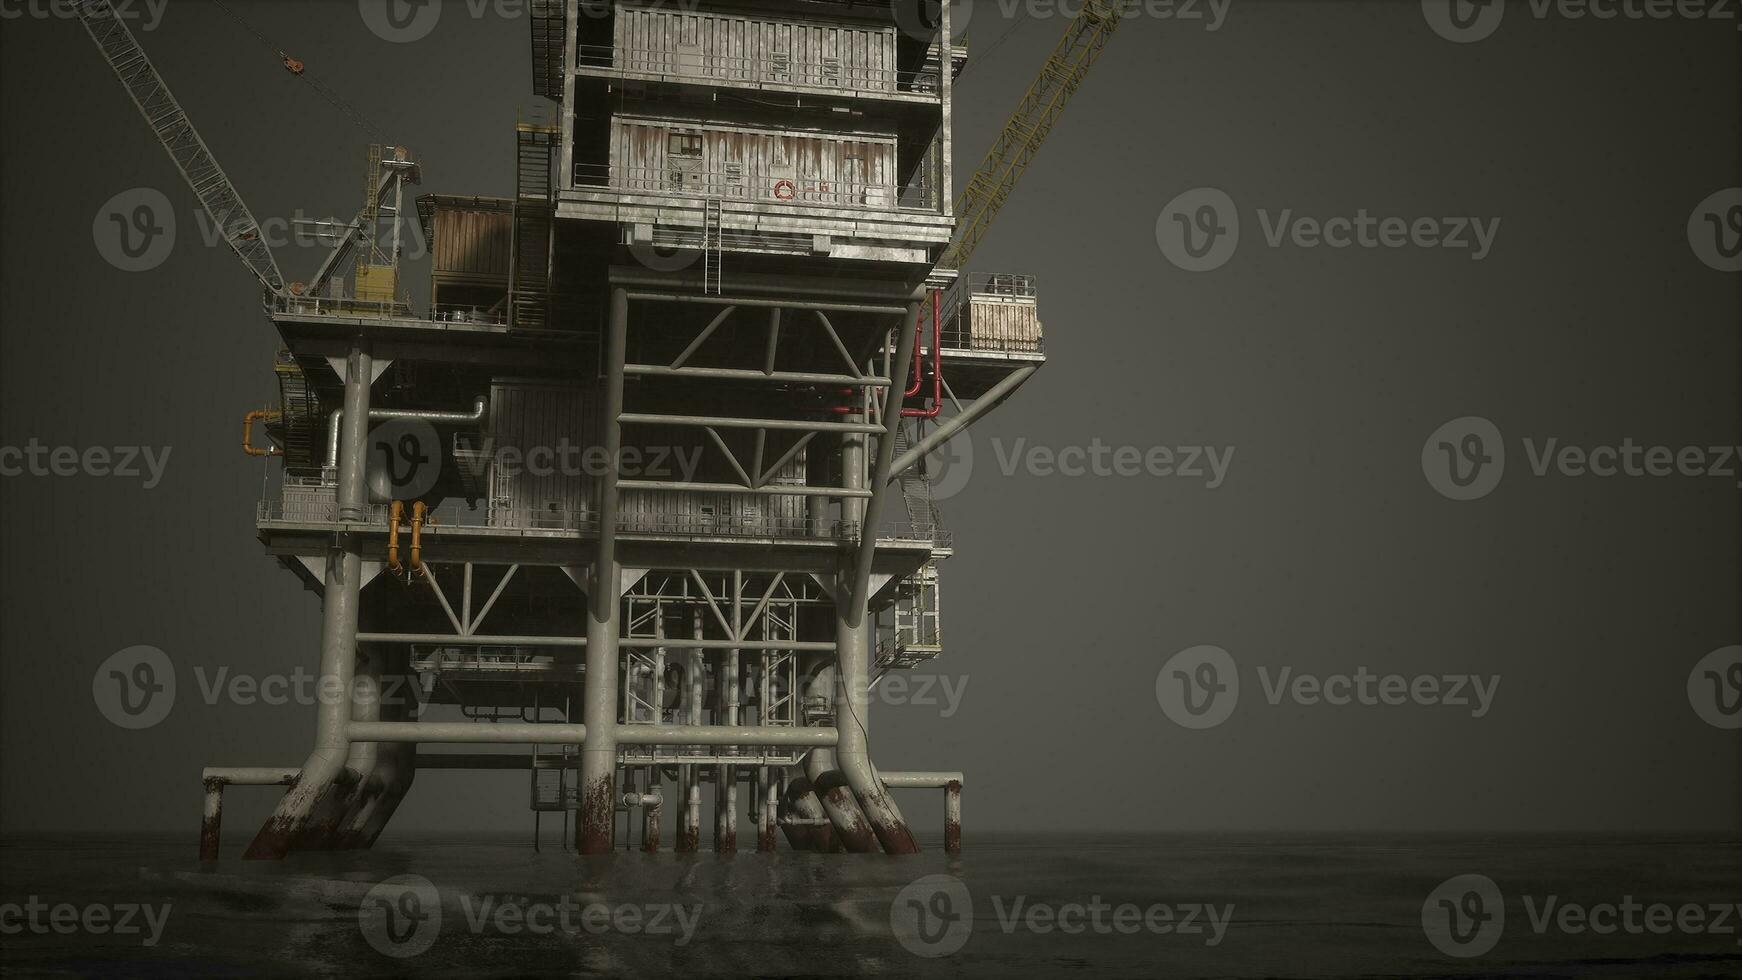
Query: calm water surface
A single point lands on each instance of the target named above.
(1300, 907)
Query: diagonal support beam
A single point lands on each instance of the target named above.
(980, 408)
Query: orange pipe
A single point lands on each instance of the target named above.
(418, 510)
(394, 513)
(248, 433)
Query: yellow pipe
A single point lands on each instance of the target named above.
(417, 514)
(248, 433)
(394, 513)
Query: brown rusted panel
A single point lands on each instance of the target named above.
(472, 242)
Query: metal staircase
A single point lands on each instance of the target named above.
(916, 495)
(712, 246)
(534, 224)
(299, 426)
(548, 28)
(177, 134)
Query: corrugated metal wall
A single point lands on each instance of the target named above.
(723, 46)
(528, 417)
(472, 244)
(676, 512)
(662, 155)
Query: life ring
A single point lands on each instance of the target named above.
(785, 190)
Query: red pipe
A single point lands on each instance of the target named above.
(937, 366)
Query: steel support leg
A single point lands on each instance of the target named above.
(599, 710)
(853, 630)
(325, 770)
(953, 818)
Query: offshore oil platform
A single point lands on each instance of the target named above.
(642, 490)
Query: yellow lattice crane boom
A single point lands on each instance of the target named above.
(1030, 125)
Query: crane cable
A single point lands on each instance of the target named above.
(297, 68)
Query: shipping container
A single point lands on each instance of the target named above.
(727, 47)
(739, 163)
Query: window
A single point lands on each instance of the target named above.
(688, 145)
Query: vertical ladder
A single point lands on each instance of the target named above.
(711, 247)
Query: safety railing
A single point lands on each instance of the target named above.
(314, 504)
(309, 305)
(771, 69)
(738, 185)
(990, 290)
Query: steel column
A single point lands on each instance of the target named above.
(340, 603)
(599, 708)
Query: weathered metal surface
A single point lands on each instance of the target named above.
(953, 818)
(778, 167)
(725, 47)
(472, 240)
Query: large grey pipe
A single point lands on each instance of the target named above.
(340, 602)
(853, 632)
(852, 831)
(480, 406)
